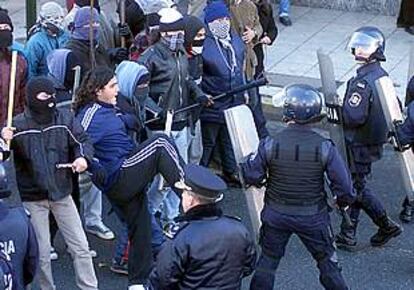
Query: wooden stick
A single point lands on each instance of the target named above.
(122, 19)
(91, 38)
(12, 86)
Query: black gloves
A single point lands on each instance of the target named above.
(118, 54)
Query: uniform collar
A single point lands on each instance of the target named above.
(201, 212)
(367, 68)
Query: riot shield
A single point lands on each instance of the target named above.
(245, 140)
(332, 102)
(393, 113)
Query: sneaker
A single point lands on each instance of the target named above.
(101, 231)
(285, 20)
(53, 254)
(137, 287)
(119, 267)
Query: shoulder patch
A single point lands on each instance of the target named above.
(355, 100)
(176, 229)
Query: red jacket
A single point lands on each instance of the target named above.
(21, 78)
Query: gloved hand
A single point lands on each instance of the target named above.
(124, 30)
(118, 54)
(333, 113)
(205, 100)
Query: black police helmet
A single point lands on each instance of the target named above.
(371, 40)
(302, 104)
(4, 188)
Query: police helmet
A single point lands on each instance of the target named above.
(367, 43)
(4, 187)
(301, 104)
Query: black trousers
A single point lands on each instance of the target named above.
(156, 155)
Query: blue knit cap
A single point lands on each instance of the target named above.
(215, 10)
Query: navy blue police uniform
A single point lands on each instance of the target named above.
(7, 276)
(294, 165)
(210, 250)
(365, 131)
(17, 241)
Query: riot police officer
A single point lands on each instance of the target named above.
(365, 133)
(294, 164)
(17, 239)
(210, 250)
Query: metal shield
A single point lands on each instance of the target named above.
(392, 112)
(245, 140)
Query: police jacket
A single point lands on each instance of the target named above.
(171, 85)
(363, 118)
(221, 75)
(294, 164)
(39, 148)
(210, 251)
(18, 242)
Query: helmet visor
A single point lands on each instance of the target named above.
(363, 41)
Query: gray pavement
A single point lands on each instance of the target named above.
(294, 55)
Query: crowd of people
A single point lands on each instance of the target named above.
(100, 107)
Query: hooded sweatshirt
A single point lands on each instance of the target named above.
(57, 65)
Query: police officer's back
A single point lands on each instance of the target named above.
(17, 238)
(210, 250)
(294, 163)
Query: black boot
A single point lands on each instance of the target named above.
(346, 239)
(387, 229)
(406, 214)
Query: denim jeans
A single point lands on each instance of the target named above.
(166, 200)
(284, 7)
(91, 201)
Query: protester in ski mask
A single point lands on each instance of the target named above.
(6, 47)
(223, 58)
(79, 42)
(41, 100)
(107, 35)
(47, 35)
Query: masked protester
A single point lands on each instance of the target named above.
(48, 35)
(79, 42)
(195, 34)
(106, 35)
(55, 137)
(223, 58)
(172, 88)
(6, 47)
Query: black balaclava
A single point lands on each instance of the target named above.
(83, 3)
(42, 111)
(6, 36)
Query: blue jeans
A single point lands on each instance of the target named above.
(166, 200)
(284, 7)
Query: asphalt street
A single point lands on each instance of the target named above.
(390, 267)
